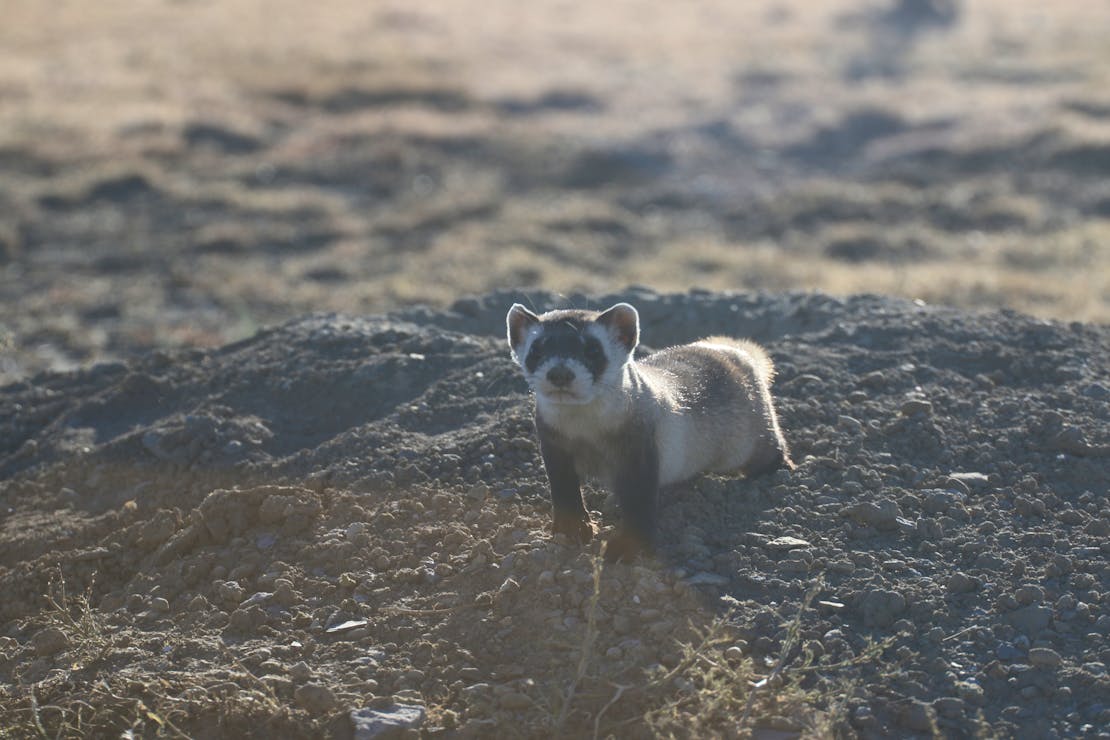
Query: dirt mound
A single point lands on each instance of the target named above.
(339, 525)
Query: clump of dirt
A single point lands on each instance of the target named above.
(339, 526)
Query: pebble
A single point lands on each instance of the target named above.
(849, 424)
(1096, 390)
(1030, 620)
(300, 671)
(230, 592)
(938, 502)
(916, 406)
(873, 379)
(881, 607)
(315, 698)
(1008, 651)
(917, 716)
(949, 706)
(372, 722)
(882, 514)
(284, 593)
(786, 542)
(260, 597)
(962, 583)
(350, 624)
(974, 481)
(356, 530)
(1043, 657)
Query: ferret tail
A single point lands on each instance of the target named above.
(760, 360)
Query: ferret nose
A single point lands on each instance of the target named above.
(560, 376)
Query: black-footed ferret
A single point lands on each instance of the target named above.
(639, 425)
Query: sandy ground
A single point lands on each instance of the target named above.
(266, 468)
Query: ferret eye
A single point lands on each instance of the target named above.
(593, 349)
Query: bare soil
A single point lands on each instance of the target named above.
(266, 468)
(357, 505)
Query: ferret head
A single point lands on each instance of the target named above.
(569, 356)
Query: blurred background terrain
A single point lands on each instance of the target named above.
(179, 173)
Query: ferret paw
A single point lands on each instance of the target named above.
(579, 531)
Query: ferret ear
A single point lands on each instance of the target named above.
(519, 321)
(624, 323)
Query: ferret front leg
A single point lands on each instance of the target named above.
(637, 490)
(569, 515)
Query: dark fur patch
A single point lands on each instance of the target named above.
(563, 336)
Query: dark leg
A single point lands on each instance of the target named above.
(568, 511)
(637, 489)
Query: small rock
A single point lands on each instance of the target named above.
(917, 716)
(962, 583)
(971, 692)
(478, 492)
(849, 424)
(974, 481)
(1030, 620)
(300, 671)
(346, 626)
(160, 604)
(786, 542)
(315, 698)
(916, 406)
(241, 620)
(1030, 594)
(284, 593)
(260, 597)
(1096, 390)
(1043, 657)
(938, 502)
(1008, 651)
(230, 592)
(949, 706)
(956, 485)
(880, 607)
(880, 515)
(356, 530)
(873, 379)
(49, 641)
(371, 722)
